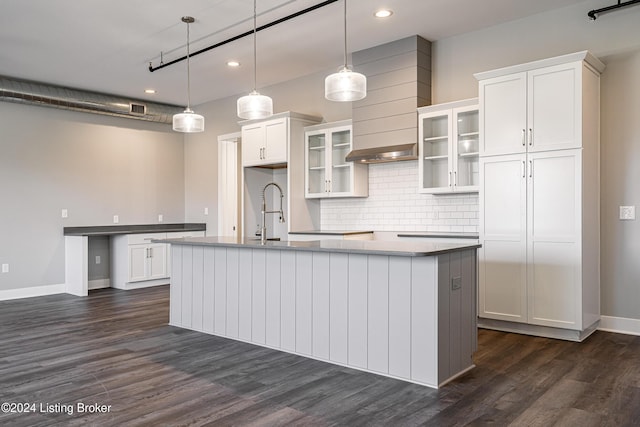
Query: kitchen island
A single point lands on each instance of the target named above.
(401, 309)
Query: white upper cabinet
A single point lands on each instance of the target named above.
(265, 143)
(327, 174)
(448, 149)
(536, 106)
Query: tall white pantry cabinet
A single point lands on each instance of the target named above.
(539, 269)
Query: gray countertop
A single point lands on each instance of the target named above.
(110, 230)
(367, 247)
(332, 232)
(441, 234)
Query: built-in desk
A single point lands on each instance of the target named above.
(77, 247)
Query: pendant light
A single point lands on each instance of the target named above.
(254, 105)
(345, 85)
(188, 121)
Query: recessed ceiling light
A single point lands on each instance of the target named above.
(233, 63)
(150, 91)
(383, 13)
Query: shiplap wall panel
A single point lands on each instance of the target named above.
(321, 309)
(220, 292)
(197, 313)
(244, 295)
(258, 295)
(396, 316)
(175, 287)
(304, 302)
(232, 308)
(208, 294)
(424, 320)
(339, 306)
(272, 298)
(444, 305)
(378, 319)
(358, 331)
(288, 300)
(187, 286)
(400, 317)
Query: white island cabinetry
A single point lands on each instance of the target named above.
(375, 306)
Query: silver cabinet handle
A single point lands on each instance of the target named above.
(523, 169)
(150, 252)
(329, 186)
(530, 137)
(530, 168)
(524, 137)
(455, 178)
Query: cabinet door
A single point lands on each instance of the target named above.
(341, 176)
(502, 284)
(466, 175)
(252, 144)
(503, 114)
(435, 167)
(137, 263)
(316, 164)
(275, 141)
(554, 224)
(157, 261)
(554, 108)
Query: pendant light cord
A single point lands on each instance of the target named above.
(255, 61)
(345, 33)
(188, 72)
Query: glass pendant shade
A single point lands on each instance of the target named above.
(345, 85)
(188, 122)
(255, 106)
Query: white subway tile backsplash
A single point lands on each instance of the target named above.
(394, 204)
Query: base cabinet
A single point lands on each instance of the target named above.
(136, 262)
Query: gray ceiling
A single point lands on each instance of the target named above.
(106, 46)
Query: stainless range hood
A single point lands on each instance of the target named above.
(389, 153)
(385, 123)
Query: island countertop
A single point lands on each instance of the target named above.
(367, 247)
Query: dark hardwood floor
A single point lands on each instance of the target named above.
(115, 348)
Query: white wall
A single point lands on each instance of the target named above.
(93, 166)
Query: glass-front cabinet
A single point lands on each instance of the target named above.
(327, 172)
(448, 150)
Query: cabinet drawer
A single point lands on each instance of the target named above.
(136, 239)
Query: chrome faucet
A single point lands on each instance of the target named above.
(263, 231)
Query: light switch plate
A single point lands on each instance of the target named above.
(627, 212)
(5, 268)
(206, 211)
(160, 218)
(98, 260)
(116, 219)
(65, 213)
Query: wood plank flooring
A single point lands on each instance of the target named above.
(115, 348)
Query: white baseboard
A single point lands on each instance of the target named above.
(34, 291)
(99, 284)
(620, 325)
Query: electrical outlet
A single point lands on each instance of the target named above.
(5, 268)
(160, 218)
(116, 219)
(98, 260)
(65, 213)
(456, 283)
(206, 211)
(627, 213)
